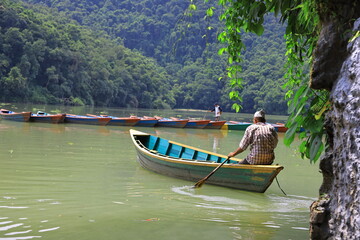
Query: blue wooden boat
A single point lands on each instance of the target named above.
(215, 124)
(71, 118)
(234, 125)
(185, 162)
(168, 122)
(194, 123)
(118, 121)
(47, 118)
(146, 122)
(15, 116)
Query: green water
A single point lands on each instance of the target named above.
(72, 181)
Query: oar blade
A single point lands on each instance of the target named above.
(202, 181)
(199, 183)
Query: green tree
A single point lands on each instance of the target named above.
(317, 33)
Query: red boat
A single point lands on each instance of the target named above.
(194, 123)
(15, 116)
(280, 127)
(71, 118)
(168, 122)
(119, 121)
(215, 124)
(47, 118)
(146, 121)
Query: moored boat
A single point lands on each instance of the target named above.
(118, 121)
(168, 122)
(280, 127)
(234, 125)
(14, 116)
(47, 118)
(71, 118)
(215, 124)
(189, 163)
(146, 121)
(193, 123)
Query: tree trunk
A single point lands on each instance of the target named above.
(336, 214)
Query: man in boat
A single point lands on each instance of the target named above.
(262, 139)
(218, 111)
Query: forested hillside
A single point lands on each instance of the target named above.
(84, 56)
(47, 58)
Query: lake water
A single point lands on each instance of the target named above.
(72, 181)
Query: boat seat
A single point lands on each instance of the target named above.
(202, 156)
(152, 142)
(175, 150)
(214, 158)
(163, 146)
(188, 153)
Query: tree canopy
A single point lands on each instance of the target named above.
(182, 46)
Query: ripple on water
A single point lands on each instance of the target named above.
(19, 228)
(251, 202)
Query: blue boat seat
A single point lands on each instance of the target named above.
(162, 146)
(188, 153)
(152, 142)
(214, 158)
(175, 150)
(201, 156)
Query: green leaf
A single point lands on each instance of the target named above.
(316, 147)
(258, 29)
(222, 50)
(210, 12)
(192, 7)
(290, 134)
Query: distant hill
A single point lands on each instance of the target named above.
(184, 50)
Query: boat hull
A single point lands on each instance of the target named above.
(52, 118)
(236, 125)
(171, 123)
(115, 121)
(256, 178)
(215, 124)
(146, 123)
(197, 123)
(15, 116)
(280, 127)
(87, 120)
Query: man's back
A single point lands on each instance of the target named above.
(262, 139)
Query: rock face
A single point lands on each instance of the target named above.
(336, 215)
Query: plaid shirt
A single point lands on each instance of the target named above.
(262, 139)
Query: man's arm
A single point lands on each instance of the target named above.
(236, 152)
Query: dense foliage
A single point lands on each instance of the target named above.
(48, 58)
(89, 60)
(306, 105)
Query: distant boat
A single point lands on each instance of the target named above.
(146, 121)
(234, 125)
(194, 123)
(15, 116)
(280, 127)
(118, 121)
(168, 122)
(189, 163)
(215, 124)
(47, 118)
(71, 118)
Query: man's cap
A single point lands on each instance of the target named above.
(259, 114)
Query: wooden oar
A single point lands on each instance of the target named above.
(202, 181)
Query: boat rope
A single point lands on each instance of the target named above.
(279, 186)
